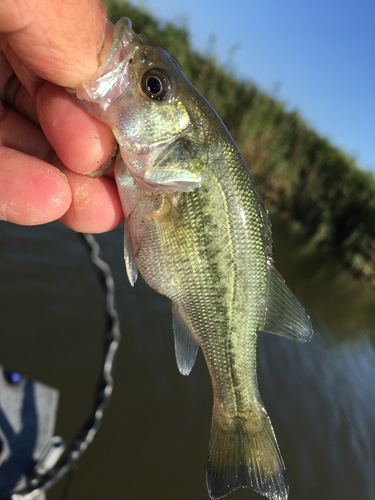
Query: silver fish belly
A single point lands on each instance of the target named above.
(198, 231)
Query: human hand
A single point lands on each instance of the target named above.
(47, 141)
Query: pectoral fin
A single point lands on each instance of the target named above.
(185, 346)
(284, 314)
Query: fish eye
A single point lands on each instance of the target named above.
(156, 85)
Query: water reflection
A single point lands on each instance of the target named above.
(323, 398)
(154, 438)
(333, 297)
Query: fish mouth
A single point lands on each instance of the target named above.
(112, 79)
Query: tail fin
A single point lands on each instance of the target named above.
(245, 453)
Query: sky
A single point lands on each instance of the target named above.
(317, 56)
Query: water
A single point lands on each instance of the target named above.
(154, 437)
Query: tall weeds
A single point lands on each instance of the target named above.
(298, 172)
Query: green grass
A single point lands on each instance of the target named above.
(300, 174)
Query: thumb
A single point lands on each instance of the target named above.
(59, 40)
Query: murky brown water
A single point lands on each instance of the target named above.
(154, 437)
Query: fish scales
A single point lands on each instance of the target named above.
(198, 231)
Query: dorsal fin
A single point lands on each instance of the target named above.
(185, 346)
(284, 314)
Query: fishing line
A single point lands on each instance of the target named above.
(69, 481)
(42, 482)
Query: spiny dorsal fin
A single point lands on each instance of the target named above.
(131, 267)
(185, 346)
(284, 314)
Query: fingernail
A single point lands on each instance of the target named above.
(104, 167)
(107, 42)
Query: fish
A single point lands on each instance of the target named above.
(198, 231)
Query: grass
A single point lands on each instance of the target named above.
(300, 174)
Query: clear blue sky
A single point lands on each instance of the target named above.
(318, 56)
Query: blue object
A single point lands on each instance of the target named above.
(12, 377)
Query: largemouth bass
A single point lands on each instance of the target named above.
(198, 231)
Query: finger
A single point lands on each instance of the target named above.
(31, 190)
(13, 93)
(82, 142)
(18, 133)
(95, 206)
(28, 194)
(59, 41)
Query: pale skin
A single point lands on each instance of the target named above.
(51, 149)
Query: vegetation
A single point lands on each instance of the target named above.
(299, 173)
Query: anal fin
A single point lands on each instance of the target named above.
(186, 347)
(285, 315)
